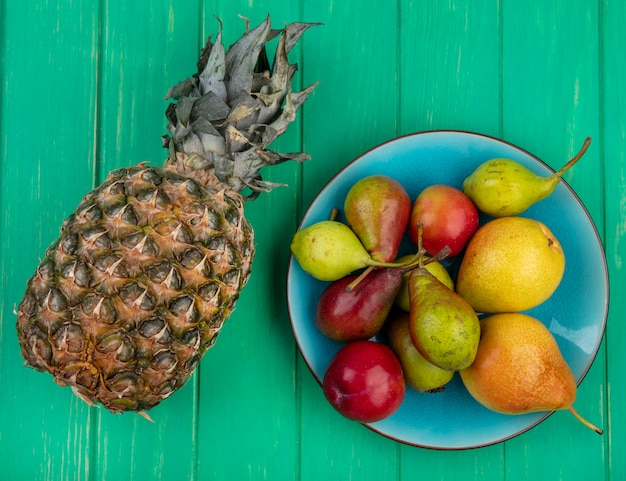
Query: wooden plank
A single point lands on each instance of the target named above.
(139, 61)
(550, 104)
(47, 162)
(356, 103)
(613, 153)
(248, 423)
(450, 79)
(355, 107)
(450, 66)
(81, 92)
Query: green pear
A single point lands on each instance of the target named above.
(436, 268)
(329, 250)
(420, 374)
(444, 327)
(519, 368)
(503, 187)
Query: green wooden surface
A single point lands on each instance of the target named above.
(82, 87)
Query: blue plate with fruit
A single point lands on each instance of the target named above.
(575, 313)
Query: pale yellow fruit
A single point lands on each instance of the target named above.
(435, 268)
(420, 374)
(511, 264)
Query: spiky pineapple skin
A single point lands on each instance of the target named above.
(137, 287)
(149, 266)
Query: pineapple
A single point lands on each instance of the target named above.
(149, 266)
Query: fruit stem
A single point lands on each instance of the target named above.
(441, 255)
(350, 287)
(416, 261)
(333, 213)
(420, 230)
(574, 159)
(584, 421)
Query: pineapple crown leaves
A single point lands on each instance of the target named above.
(225, 116)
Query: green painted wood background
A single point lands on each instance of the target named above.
(81, 92)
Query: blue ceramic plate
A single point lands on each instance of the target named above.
(575, 313)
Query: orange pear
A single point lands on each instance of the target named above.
(519, 368)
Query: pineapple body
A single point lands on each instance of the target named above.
(137, 287)
(149, 266)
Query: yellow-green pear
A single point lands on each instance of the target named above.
(519, 368)
(502, 187)
(436, 268)
(420, 374)
(329, 250)
(444, 327)
(511, 264)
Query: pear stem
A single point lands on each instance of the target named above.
(410, 264)
(416, 261)
(441, 255)
(574, 159)
(584, 421)
(350, 287)
(420, 230)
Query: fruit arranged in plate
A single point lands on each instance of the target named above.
(441, 333)
(435, 268)
(377, 209)
(419, 373)
(502, 187)
(347, 313)
(448, 216)
(443, 326)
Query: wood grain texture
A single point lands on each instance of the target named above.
(450, 66)
(613, 155)
(81, 93)
(48, 100)
(550, 104)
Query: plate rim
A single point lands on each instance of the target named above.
(585, 211)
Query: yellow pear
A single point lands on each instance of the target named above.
(420, 374)
(511, 264)
(436, 268)
(519, 368)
